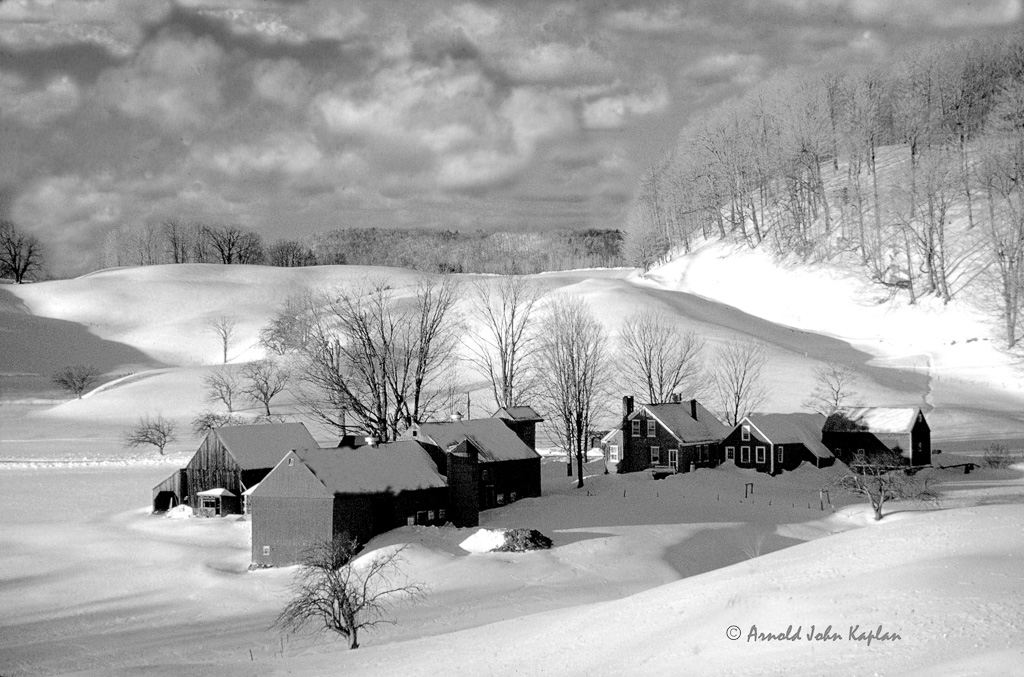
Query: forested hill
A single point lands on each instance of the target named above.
(913, 169)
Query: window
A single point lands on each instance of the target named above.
(410, 520)
(636, 427)
(485, 474)
(655, 455)
(730, 453)
(440, 513)
(651, 427)
(266, 551)
(421, 517)
(760, 454)
(673, 457)
(511, 496)
(745, 433)
(430, 515)
(291, 461)
(613, 452)
(744, 454)
(501, 499)
(778, 454)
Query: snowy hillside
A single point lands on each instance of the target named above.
(645, 577)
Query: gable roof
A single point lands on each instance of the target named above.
(393, 466)
(785, 429)
(675, 416)
(262, 445)
(519, 414)
(494, 439)
(881, 419)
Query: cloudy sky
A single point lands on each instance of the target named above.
(294, 117)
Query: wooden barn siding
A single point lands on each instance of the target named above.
(176, 484)
(288, 526)
(210, 468)
(463, 491)
(521, 476)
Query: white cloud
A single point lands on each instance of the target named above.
(38, 107)
(175, 81)
(116, 25)
(616, 111)
(739, 69)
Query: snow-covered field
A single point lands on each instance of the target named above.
(646, 577)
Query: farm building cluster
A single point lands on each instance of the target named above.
(680, 436)
(297, 492)
(446, 472)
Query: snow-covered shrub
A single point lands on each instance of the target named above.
(521, 540)
(998, 456)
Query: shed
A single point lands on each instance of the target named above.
(216, 503)
(904, 430)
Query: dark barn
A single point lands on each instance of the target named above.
(314, 495)
(672, 435)
(486, 463)
(773, 443)
(233, 458)
(871, 430)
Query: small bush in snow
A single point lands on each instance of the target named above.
(998, 456)
(521, 540)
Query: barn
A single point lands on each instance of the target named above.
(868, 430)
(316, 494)
(232, 458)
(523, 421)
(487, 464)
(773, 443)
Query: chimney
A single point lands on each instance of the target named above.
(371, 441)
(677, 398)
(693, 409)
(627, 406)
(457, 416)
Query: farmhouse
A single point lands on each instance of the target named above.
(869, 430)
(486, 463)
(232, 458)
(672, 436)
(773, 443)
(316, 494)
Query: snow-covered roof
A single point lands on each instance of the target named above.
(677, 417)
(494, 439)
(393, 466)
(520, 413)
(785, 429)
(215, 492)
(263, 445)
(248, 492)
(882, 419)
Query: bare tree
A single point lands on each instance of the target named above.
(76, 379)
(378, 360)
(833, 388)
(334, 593)
(235, 245)
(210, 420)
(573, 355)
(657, 359)
(223, 385)
(289, 254)
(737, 379)
(158, 432)
(223, 326)
(289, 331)
(882, 477)
(263, 381)
(21, 254)
(502, 349)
